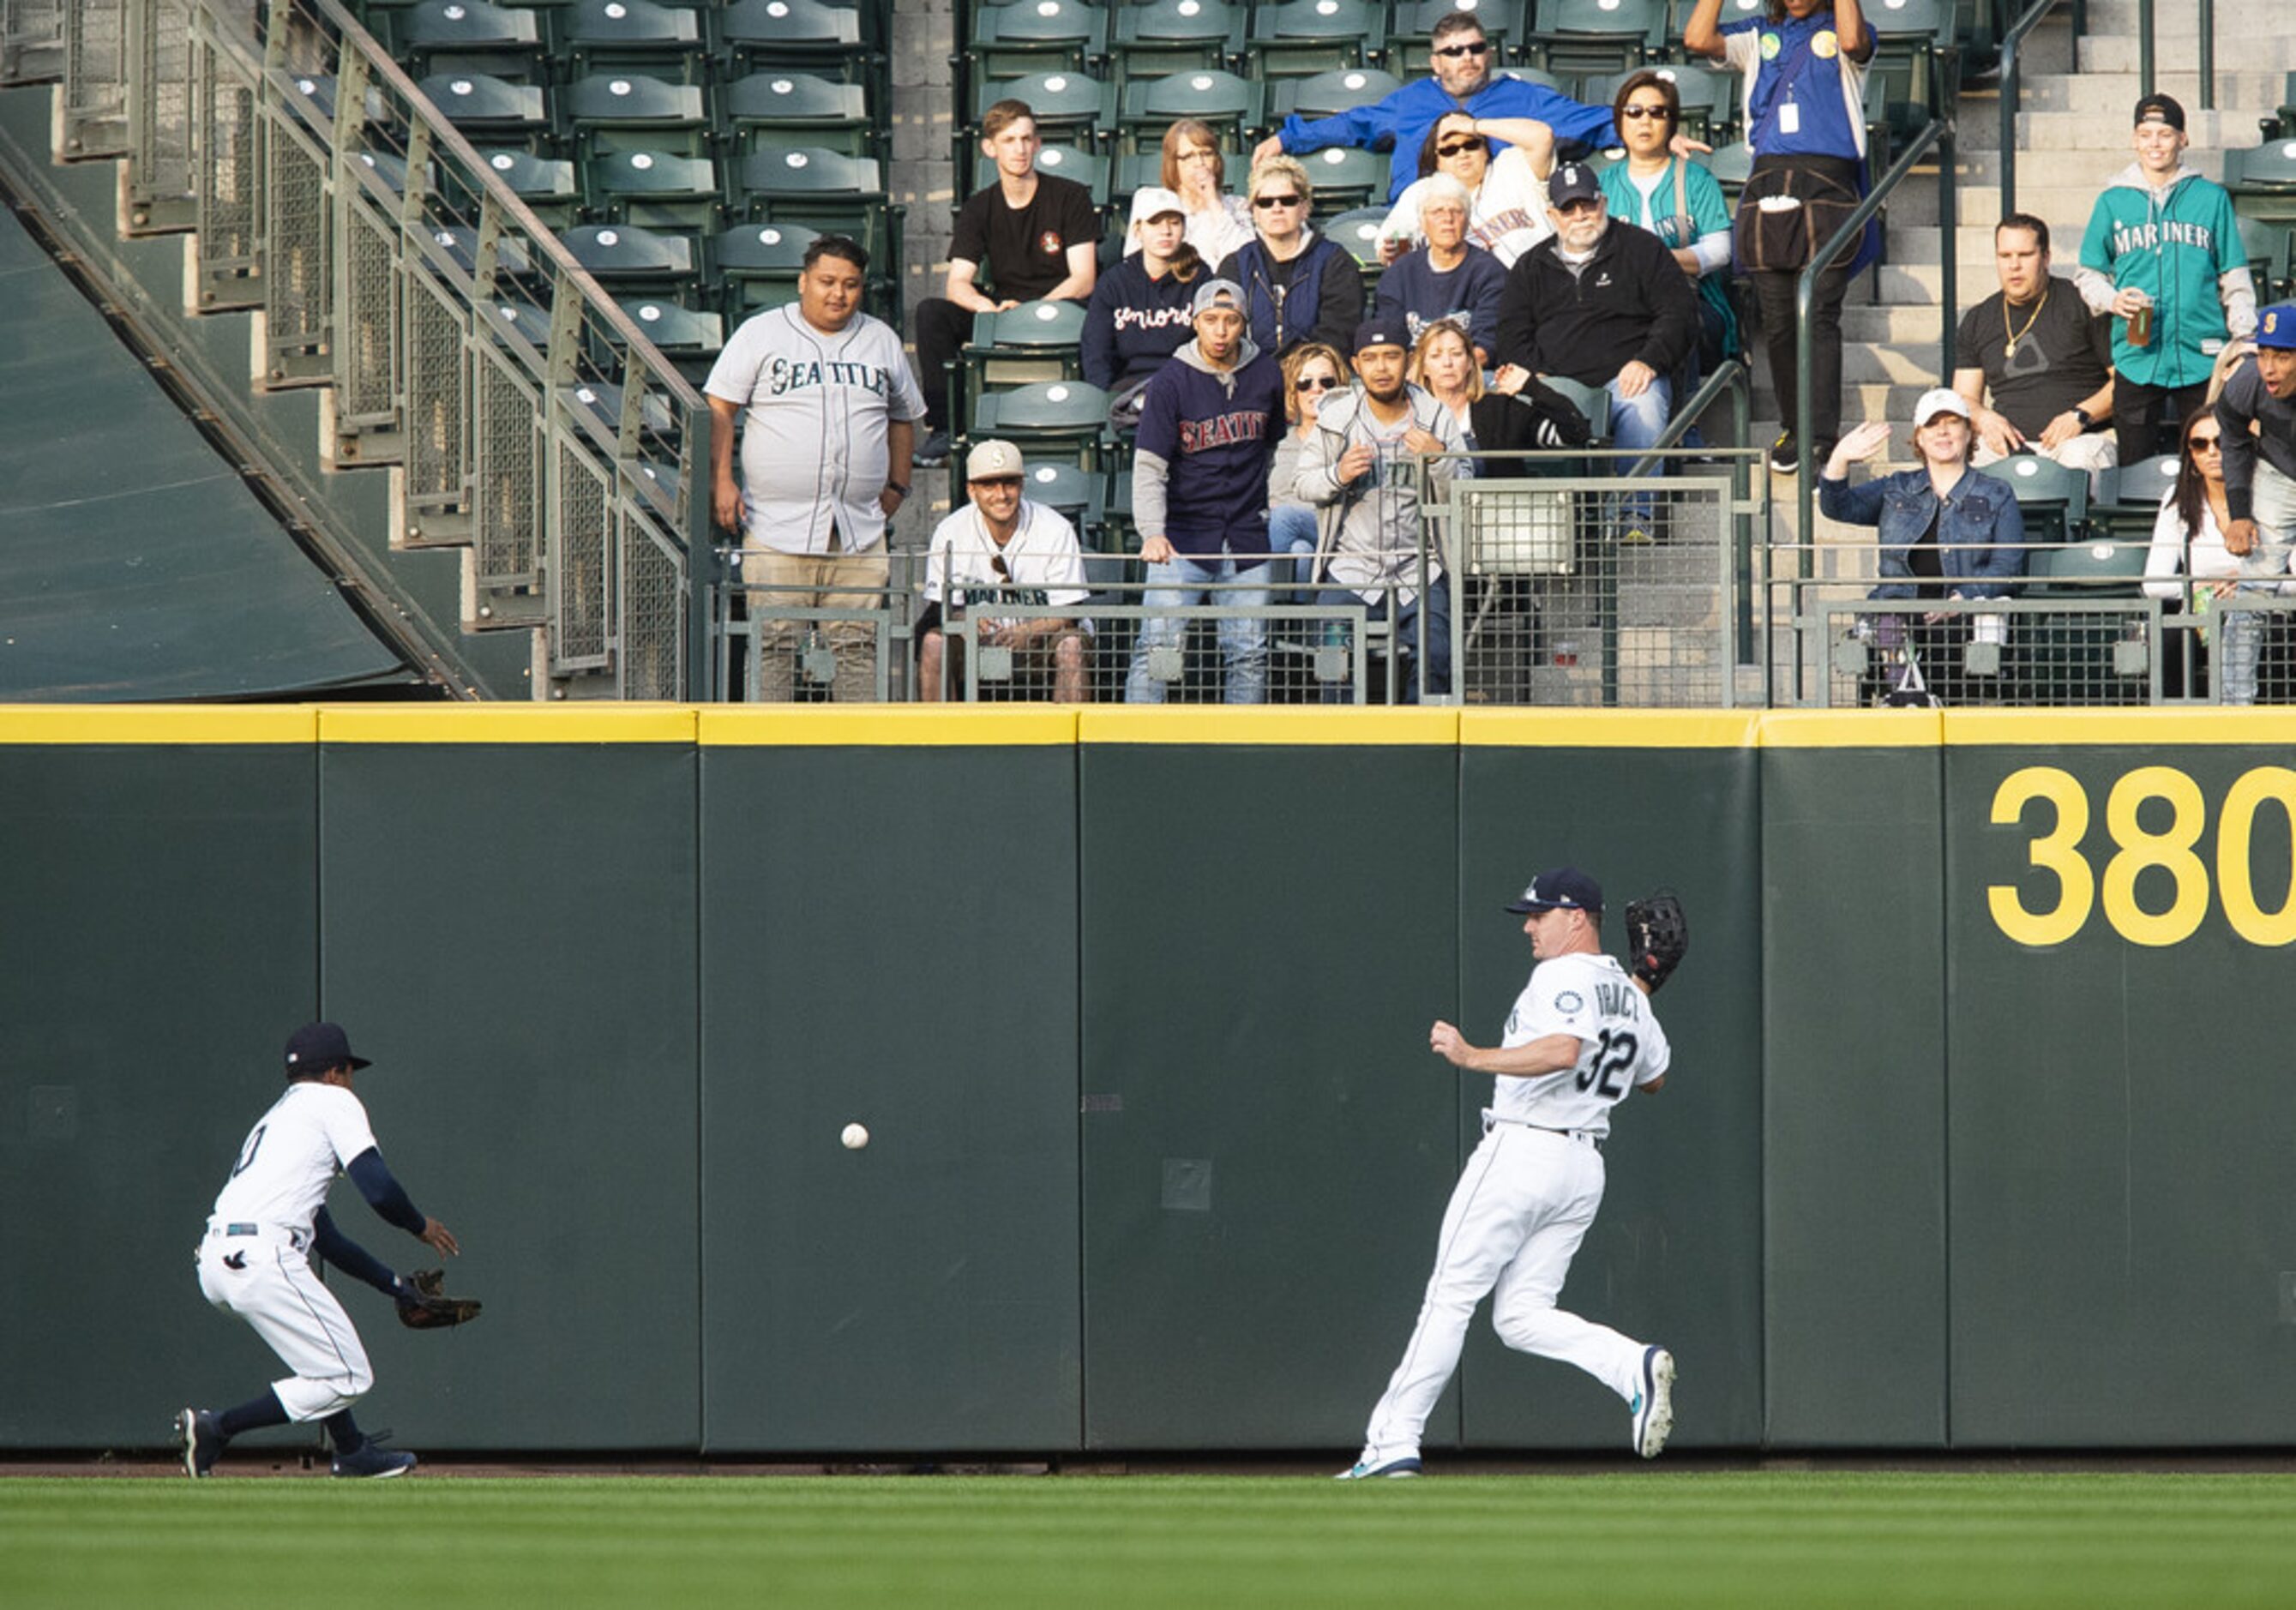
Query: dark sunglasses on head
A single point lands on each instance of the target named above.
(1275, 200)
(1315, 382)
(1452, 148)
(1639, 113)
(1480, 47)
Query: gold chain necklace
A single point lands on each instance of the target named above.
(2017, 335)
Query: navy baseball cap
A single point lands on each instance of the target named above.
(2160, 109)
(1573, 182)
(1381, 333)
(1564, 889)
(2276, 327)
(321, 1046)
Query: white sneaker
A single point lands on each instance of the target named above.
(1365, 1469)
(1653, 1405)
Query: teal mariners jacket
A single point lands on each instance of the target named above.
(2175, 245)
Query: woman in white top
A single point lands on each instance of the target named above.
(1508, 191)
(1311, 373)
(2188, 541)
(1218, 221)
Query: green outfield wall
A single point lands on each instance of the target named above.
(1977, 1136)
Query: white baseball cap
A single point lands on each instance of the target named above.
(991, 461)
(1153, 202)
(1936, 401)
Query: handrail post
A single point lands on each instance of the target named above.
(2207, 55)
(2144, 47)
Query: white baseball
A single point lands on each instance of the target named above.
(856, 1137)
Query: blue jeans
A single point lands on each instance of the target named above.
(1636, 422)
(1292, 538)
(1434, 679)
(1184, 582)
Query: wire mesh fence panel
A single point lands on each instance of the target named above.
(2006, 652)
(225, 177)
(650, 659)
(437, 438)
(94, 110)
(32, 40)
(1595, 590)
(506, 503)
(581, 501)
(1114, 649)
(298, 272)
(783, 644)
(161, 180)
(367, 345)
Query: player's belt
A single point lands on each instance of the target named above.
(1584, 1137)
(240, 1229)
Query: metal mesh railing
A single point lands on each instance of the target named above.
(527, 415)
(31, 40)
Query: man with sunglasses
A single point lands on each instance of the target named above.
(1298, 286)
(2255, 414)
(1000, 549)
(1463, 81)
(1607, 308)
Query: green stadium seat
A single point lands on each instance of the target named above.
(488, 107)
(656, 190)
(690, 340)
(1731, 165)
(758, 265)
(1088, 169)
(1412, 23)
(2053, 498)
(2092, 568)
(1016, 346)
(1593, 402)
(804, 34)
(1326, 93)
(1356, 232)
(472, 37)
(1909, 34)
(1072, 108)
(631, 261)
(2262, 179)
(1154, 37)
(1346, 176)
(821, 189)
(2127, 500)
(1230, 105)
(785, 106)
(547, 185)
(1069, 490)
(1062, 418)
(2268, 247)
(1592, 37)
(613, 111)
(1298, 38)
(629, 36)
(1013, 40)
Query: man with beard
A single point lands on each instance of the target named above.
(1354, 471)
(1606, 308)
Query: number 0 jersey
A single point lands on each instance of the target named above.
(291, 1156)
(1620, 1044)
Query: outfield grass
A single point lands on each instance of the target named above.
(1656, 1538)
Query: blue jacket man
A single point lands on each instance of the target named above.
(1462, 82)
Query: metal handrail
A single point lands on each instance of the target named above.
(2013, 69)
(2145, 53)
(1938, 133)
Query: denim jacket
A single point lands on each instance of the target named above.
(1981, 537)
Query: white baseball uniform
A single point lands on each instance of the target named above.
(255, 1259)
(813, 442)
(1527, 1196)
(1044, 563)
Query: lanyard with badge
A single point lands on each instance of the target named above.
(1799, 66)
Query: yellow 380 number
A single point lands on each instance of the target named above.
(2137, 848)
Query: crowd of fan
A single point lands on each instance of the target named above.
(1272, 415)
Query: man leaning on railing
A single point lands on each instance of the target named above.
(1001, 548)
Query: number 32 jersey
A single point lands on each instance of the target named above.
(1620, 1044)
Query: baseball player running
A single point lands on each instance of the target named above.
(255, 1259)
(1580, 1038)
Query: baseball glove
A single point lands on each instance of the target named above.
(1658, 934)
(427, 1307)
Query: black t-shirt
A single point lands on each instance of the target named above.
(1025, 249)
(2061, 361)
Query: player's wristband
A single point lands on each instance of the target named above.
(895, 486)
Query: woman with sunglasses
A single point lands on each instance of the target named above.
(1506, 213)
(1218, 221)
(1311, 373)
(1298, 286)
(1679, 201)
(2188, 541)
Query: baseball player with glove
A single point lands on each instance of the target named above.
(270, 1220)
(1581, 1038)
